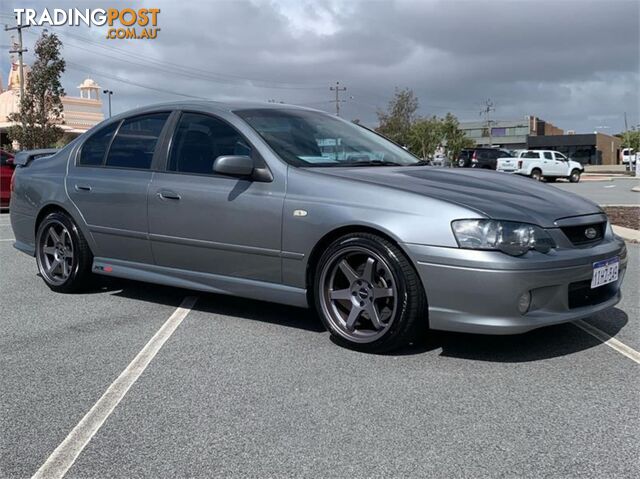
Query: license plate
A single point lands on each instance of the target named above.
(605, 272)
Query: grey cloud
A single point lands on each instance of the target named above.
(572, 63)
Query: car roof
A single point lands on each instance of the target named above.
(213, 106)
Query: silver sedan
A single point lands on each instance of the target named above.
(291, 205)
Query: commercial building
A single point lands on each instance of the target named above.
(510, 134)
(79, 113)
(589, 149)
(535, 134)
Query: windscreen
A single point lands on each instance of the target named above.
(313, 139)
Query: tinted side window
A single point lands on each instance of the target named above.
(3, 159)
(199, 140)
(135, 141)
(561, 157)
(95, 148)
(547, 155)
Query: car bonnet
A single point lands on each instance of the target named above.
(493, 194)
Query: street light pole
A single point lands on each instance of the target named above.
(108, 93)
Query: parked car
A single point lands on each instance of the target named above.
(6, 172)
(439, 160)
(239, 199)
(539, 164)
(7, 167)
(481, 157)
(629, 157)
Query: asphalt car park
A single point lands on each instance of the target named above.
(245, 388)
(615, 192)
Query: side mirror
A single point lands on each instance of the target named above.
(233, 165)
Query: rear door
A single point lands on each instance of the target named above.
(109, 181)
(206, 222)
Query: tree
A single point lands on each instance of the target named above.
(395, 123)
(631, 139)
(41, 108)
(454, 138)
(425, 135)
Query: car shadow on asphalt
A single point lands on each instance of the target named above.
(211, 303)
(544, 343)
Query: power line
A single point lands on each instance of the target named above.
(181, 69)
(75, 66)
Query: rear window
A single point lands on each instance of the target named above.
(530, 154)
(135, 142)
(95, 148)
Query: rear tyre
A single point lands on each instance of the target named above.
(575, 176)
(62, 253)
(368, 294)
(536, 174)
(462, 163)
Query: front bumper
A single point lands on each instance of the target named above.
(475, 291)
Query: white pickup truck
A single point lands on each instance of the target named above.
(539, 164)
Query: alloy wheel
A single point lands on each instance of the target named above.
(359, 294)
(55, 253)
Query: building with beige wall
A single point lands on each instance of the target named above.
(80, 113)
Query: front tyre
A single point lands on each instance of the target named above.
(575, 176)
(62, 253)
(368, 294)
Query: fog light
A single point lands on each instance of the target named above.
(524, 301)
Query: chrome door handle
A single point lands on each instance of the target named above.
(168, 195)
(83, 188)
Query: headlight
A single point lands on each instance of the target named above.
(506, 236)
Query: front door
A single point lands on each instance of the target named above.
(108, 184)
(205, 222)
(562, 164)
(550, 166)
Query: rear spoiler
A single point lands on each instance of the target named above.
(23, 158)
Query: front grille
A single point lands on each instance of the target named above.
(578, 234)
(581, 294)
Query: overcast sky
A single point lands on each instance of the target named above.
(573, 63)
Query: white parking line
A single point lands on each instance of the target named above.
(59, 462)
(609, 341)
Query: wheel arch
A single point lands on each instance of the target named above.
(53, 207)
(322, 244)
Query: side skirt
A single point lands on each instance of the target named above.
(211, 283)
